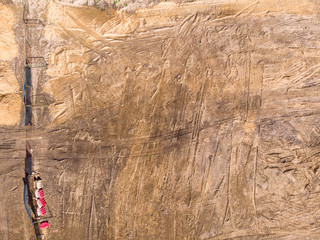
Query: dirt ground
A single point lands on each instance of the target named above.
(172, 120)
(10, 103)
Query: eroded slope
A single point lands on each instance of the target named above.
(195, 121)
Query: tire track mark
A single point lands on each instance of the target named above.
(82, 41)
(3, 216)
(93, 33)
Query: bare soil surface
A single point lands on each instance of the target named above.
(182, 120)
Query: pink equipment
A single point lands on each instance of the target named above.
(41, 211)
(44, 225)
(40, 192)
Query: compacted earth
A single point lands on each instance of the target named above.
(163, 120)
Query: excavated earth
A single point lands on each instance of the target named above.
(182, 120)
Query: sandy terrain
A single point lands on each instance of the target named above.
(10, 99)
(185, 120)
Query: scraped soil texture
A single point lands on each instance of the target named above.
(180, 121)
